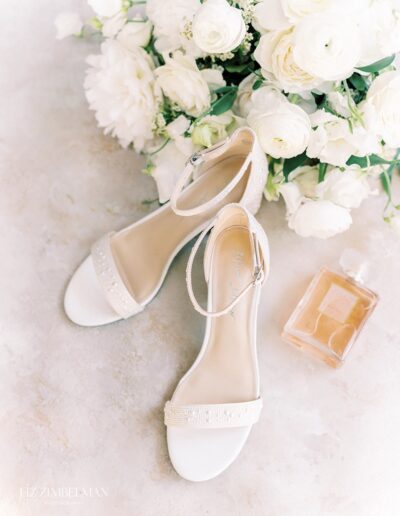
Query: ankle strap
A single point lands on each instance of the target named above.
(194, 161)
(258, 275)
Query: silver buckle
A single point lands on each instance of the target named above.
(258, 275)
(198, 157)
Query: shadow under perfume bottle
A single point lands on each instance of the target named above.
(332, 312)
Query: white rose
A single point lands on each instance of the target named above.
(283, 129)
(106, 8)
(327, 46)
(268, 15)
(346, 188)
(218, 27)
(333, 142)
(321, 219)
(294, 10)
(306, 178)
(274, 53)
(380, 30)
(172, 21)
(120, 88)
(68, 24)
(182, 82)
(383, 99)
(136, 33)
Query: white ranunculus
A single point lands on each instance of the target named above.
(113, 25)
(294, 10)
(68, 24)
(306, 178)
(181, 81)
(136, 33)
(283, 129)
(346, 188)
(218, 27)
(274, 53)
(168, 164)
(327, 46)
(120, 88)
(333, 142)
(172, 20)
(292, 196)
(383, 99)
(268, 15)
(320, 219)
(106, 8)
(379, 25)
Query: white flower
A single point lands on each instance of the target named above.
(321, 219)
(213, 128)
(380, 30)
(294, 10)
(136, 33)
(268, 15)
(182, 82)
(218, 27)
(106, 8)
(283, 129)
(383, 99)
(327, 46)
(172, 21)
(113, 25)
(121, 90)
(333, 142)
(68, 24)
(242, 104)
(346, 188)
(274, 53)
(213, 78)
(306, 178)
(292, 196)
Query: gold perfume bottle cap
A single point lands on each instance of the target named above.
(355, 265)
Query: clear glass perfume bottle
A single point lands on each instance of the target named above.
(332, 312)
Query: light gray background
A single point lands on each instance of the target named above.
(83, 407)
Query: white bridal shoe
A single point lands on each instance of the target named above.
(125, 269)
(218, 400)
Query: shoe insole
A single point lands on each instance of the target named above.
(141, 252)
(226, 372)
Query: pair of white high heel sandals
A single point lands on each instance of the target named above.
(218, 400)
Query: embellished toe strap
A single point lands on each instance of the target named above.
(221, 415)
(110, 280)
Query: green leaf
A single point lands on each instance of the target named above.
(291, 164)
(239, 68)
(226, 89)
(322, 167)
(358, 82)
(257, 84)
(386, 183)
(369, 161)
(223, 103)
(378, 65)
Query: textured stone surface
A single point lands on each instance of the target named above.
(83, 407)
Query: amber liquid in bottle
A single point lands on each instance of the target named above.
(330, 316)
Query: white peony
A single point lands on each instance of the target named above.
(283, 129)
(136, 33)
(268, 15)
(383, 99)
(332, 141)
(120, 88)
(274, 53)
(320, 219)
(379, 25)
(218, 27)
(346, 188)
(106, 8)
(181, 81)
(68, 24)
(172, 20)
(327, 46)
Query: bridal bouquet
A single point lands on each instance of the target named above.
(315, 79)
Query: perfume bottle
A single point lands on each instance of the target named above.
(333, 311)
